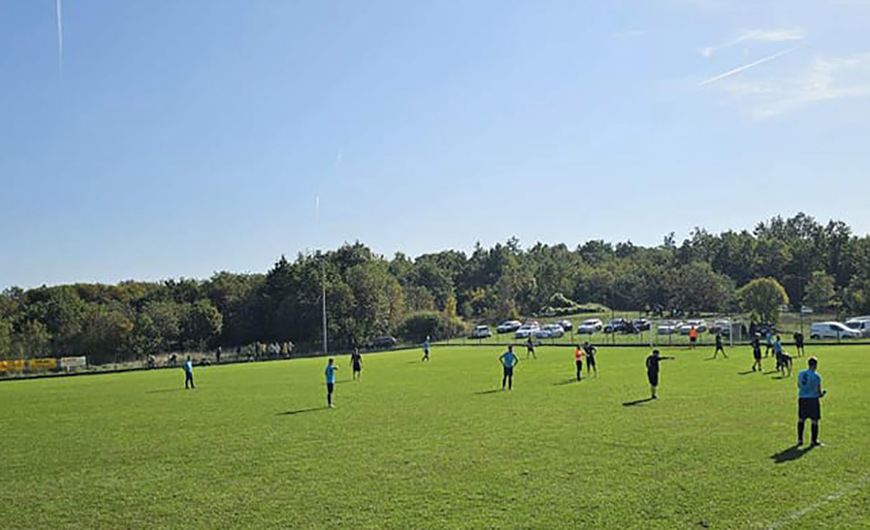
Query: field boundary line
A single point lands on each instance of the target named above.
(822, 502)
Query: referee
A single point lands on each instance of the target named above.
(809, 393)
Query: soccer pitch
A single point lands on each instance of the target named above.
(436, 445)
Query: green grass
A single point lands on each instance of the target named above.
(429, 446)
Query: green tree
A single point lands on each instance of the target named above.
(763, 297)
(820, 290)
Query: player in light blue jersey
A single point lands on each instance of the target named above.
(188, 373)
(331, 368)
(426, 349)
(809, 393)
(508, 360)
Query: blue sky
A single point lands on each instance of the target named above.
(178, 138)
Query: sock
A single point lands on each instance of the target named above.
(800, 430)
(815, 430)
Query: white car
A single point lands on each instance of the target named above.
(860, 324)
(481, 332)
(566, 325)
(668, 327)
(832, 330)
(699, 325)
(590, 326)
(508, 326)
(550, 331)
(527, 330)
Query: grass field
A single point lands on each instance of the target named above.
(435, 445)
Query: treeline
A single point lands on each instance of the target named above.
(822, 266)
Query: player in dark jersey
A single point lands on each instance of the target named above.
(652, 371)
(756, 351)
(719, 346)
(590, 352)
(530, 348)
(809, 393)
(799, 344)
(356, 363)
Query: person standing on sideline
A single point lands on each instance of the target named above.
(693, 337)
(578, 361)
(331, 368)
(530, 348)
(652, 371)
(719, 346)
(799, 344)
(188, 373)
(217, 355)
(589, 351)
(426, 349)
(508, 361)
(809, 393)
(756, 351)
(356, 363)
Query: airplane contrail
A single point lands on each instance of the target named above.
(59, 10)
(739, 69)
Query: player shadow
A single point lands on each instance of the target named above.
(636, 402)
(781, 377)
(792, 453)
(300, 411)
(770, 372)
(567, 382)
(163, 390)
(747, 372)
(485, 392)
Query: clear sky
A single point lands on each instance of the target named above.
(166, 138)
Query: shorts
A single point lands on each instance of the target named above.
(590, 361)
(330, 387)
(508, 371)
(757, 354)
(579, 364)
(357, 367)
(809, 408)
(693, 339)
(653, 378)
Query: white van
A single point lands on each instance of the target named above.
(860, 324)
(832, 330)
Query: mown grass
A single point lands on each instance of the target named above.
(436, 445)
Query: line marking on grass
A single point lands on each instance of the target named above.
(822, 502)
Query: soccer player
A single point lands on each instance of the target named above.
(356, 362)
(719, 346)
(530, 348)
(799, 343)
(756, 351)
(768, 341)
(590, 351)
(188, 373)
(809, 393)
(331, 368)
(426, 349)
(693, 337)
(777, 353)
(508, 361)
(578, 361)
(652, 371)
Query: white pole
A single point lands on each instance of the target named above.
(325, 345)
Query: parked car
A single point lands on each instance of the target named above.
(641, 324)
(565, 325)
(480, 332)
(668, 327)
(616, 324)
(383, 342)
(832, 330)
(721, 326)
(508, 326)
(527, 330)
(590, 326)
(861, 324)
(762, 328)
(699, 325)
(550, 331)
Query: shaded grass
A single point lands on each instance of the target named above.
(436, 445)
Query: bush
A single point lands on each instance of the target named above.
(437, 326)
